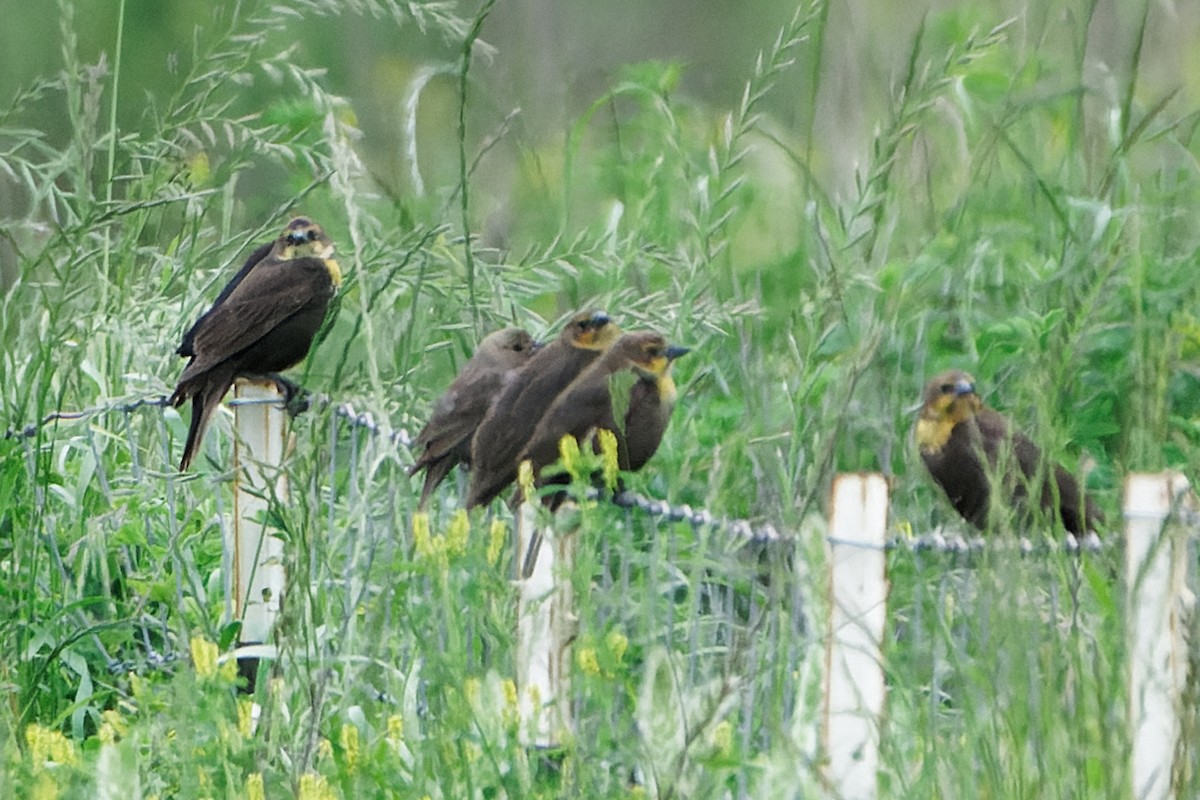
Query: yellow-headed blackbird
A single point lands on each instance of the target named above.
(263, 321)
(446, 438)
(956, 431)
(510, 422)
(590, 403)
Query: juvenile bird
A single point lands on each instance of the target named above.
(510, 422)
(956, 432)
(446, 439)
(262, 322)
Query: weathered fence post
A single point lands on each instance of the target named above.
(255, 585)
(545, 628)
(854, 686)
(1156, 563)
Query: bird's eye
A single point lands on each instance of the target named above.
(655, 352)
(312, 235)
(947, 388)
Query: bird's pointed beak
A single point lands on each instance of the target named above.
(964, 387)
(599, 320)
(533, 348)
(675, 351)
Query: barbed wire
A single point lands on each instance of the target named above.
(739, 529)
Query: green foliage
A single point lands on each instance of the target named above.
(994, 206)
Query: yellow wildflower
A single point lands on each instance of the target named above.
(588, 662)
(254, 787)
(608, 455)
(314, 787)
(395, 729)
(568, 451)
(459, 532)
(245, 713)
(496, 538)
(204, 656)
(617, 643)
(422, 542)
(348, 739)
(525, 480)
(722, 737)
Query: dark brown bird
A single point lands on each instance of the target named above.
(446, 439)
(263, 322)
(955, 428)
(510, 422)
(595, 399)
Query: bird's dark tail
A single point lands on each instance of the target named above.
(435, 472)
(204, 403)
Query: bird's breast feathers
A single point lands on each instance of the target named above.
(932, 434)
(335, 272)
(666, 389)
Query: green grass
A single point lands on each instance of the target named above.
(1013, 214)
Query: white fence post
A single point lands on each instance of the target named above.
(1158, 599)
(545, 628)
(854, 685)
(254, 589)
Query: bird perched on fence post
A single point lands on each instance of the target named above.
(446, 439)
(513, 416)
(628, 391)
(966, 446)
(262, 322)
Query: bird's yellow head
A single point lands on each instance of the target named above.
(591, 330)
(651, 357)
(303, 238)
(949, 399)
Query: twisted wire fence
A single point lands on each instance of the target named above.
(699, 639)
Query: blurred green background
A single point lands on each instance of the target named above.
(829, 204)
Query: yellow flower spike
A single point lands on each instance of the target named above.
(510, 701)
(324, 748)
(204, 656)
(459, 532)
(107, 734)
(348, 739)
(588, 662)
(314, 787)
(228, 670)
(245, 712)
(45, 788)
(471, 690)
(722, 737)
(496, 539)
(395, 729)
(525, 480)
(137, 686)
(255, 790)
(422, 542)
(568, 451)
(49, 745)
(608, 455)
(114, 718)
(617, 643)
